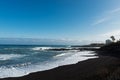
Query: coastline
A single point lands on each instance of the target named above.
(102, 68)
(105, 67)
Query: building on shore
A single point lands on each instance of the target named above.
(108, 41)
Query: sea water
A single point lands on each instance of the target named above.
(20, 60)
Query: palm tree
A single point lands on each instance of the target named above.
(113, 38)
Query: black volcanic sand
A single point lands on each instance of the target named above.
(102, 68)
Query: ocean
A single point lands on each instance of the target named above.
(20, 60)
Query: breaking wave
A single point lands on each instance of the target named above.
(57, 60)
(41, 48)
(10, 56)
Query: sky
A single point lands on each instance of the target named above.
(80, 20)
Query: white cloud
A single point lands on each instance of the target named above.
(114, 33)
(115, 10)
(107, 35)
(110, 14)
(100, 21)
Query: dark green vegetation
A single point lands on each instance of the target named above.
(112, 49)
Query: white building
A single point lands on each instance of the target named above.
(108, 41)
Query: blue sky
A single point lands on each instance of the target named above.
(60, 19)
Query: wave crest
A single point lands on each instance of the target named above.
(10, 56)
(41, 48)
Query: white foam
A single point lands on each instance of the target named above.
(49, 48)
(10, 72)
(59, 55)
(75, 57)
(41, 48)
(59, 60)
(10, 56)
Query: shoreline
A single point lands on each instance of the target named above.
(91, 69)
(105, 67)
(71, 58)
